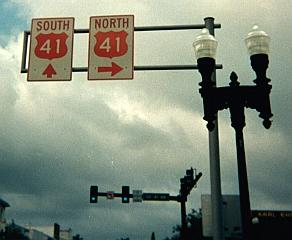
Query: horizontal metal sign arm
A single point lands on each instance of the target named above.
(174, 27)
(170, 67)
(158, 28)
(143, 68)
(155, 28)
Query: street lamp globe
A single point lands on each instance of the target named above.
(257, 41)
(205, 45)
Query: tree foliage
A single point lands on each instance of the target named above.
(194, 227)
(77, 237)
(12, 233)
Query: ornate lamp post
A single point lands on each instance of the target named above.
(236, 98)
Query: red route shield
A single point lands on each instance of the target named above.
(111, 44)
(52, 45)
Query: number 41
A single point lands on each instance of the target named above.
(46, 47)
(106, 44)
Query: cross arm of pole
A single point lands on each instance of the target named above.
(153, 68)
(156, 28)
(236, 98)
(174, 27)
(139, 68)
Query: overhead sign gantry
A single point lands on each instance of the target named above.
(111, 44)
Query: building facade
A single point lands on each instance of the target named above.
(3, 206)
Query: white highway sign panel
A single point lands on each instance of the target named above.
(137, 196)
(111, 43)
(51, 44)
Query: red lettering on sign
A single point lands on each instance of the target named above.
(111, 44)
(50, 46)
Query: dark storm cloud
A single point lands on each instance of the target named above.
(269, 171)
(135, 219)
(141, 135)
(58, 139)
(56, 180)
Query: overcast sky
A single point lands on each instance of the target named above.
(57, 139)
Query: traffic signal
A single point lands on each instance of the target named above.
(93, 194)
(190, 175)
(183, 187)
(125, 194)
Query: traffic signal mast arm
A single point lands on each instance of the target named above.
(105, 194)
(145, 196)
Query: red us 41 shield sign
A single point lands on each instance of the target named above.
(111, 43)
(51, 44)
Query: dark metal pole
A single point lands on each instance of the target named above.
(237, 106)
(215, 179)
(24, 52)
(243, 186)
(183, 218)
